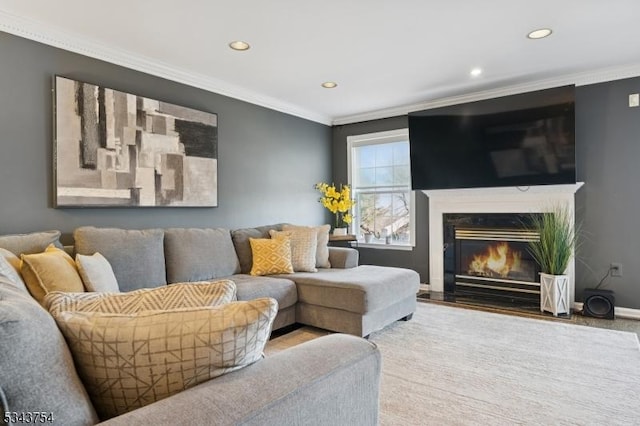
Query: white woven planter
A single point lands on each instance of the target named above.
(339, 231)
(554, 294)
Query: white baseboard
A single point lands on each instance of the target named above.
(627, 313)
(425, 287)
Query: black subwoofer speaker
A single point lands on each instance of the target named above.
(599, 303)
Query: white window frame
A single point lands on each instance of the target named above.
(354, 141)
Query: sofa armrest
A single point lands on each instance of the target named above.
(343, 257)
(331, 380)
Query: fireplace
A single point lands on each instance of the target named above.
(534, 199)
(485, 255)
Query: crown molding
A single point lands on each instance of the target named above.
(55, 37)
(579, 79)
(82, 45)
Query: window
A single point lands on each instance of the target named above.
(380, 178)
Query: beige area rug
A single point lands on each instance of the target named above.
(454, 366)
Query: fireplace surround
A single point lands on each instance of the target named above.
(512, 200)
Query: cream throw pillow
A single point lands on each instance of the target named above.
(183, 295)
(271, 256)
(96, 273)
(52, 270)
(127, 361)
(304, 243)
(10, 268)
(322, 251)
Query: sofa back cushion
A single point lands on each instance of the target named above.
(35, 242)
(194, 254)
(136, 256)
(36, 368)
(243, 246)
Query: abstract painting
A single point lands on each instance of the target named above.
(115, 149)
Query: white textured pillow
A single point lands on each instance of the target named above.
(129, 361)
(96, 273)
(304, 243)
(174, 296)
(322, 250)
(10, 268)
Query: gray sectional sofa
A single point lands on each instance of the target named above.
(331, 380)
(345, 298)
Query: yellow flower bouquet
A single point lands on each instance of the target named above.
(338, 202)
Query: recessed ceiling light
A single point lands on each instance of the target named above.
(239, 45)
(541, 33)
(476, 72)
(329, 84)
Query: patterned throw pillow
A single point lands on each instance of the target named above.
(322, 251)
(304, 242)
(271, 256)
(52, 270)
(183, 295)
(127, 361)
(96, 273)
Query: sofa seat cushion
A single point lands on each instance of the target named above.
(136, 256)
(127, 361)
(254, 287)
(360, 290)
(199, 254)
(36, 368)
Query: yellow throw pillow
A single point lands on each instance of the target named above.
(127, 361)
(304, 242)
(52, 270)
(271, 256)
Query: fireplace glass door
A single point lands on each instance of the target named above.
(495, 262)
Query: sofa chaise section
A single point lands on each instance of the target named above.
(357, 300)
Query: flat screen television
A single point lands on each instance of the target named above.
(519, 140)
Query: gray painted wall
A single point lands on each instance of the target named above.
(418, 258)
(608, 205)
(608, 154)
(268, 161)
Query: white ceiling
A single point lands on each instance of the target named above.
(388, 57)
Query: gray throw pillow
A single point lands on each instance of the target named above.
(35, 242)
(136, 256)
(198, 254)
(10, 269)
(96, 273)
(36, 368)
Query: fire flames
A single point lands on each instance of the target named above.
(497, 260)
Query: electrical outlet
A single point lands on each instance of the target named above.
(616, 269)
(634, 100)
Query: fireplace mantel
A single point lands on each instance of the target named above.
(533, 199)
